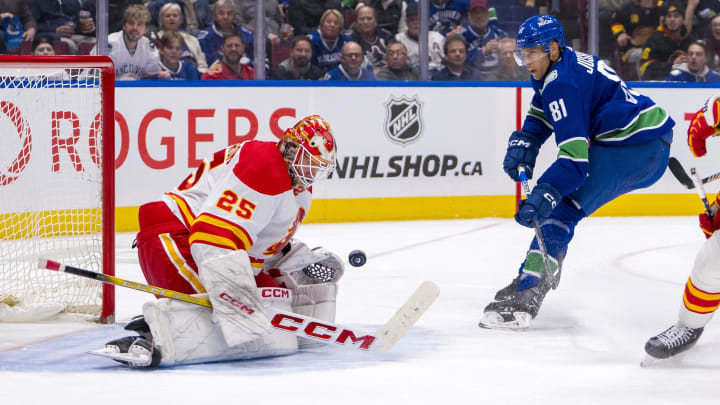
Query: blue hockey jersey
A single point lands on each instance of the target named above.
(449, 16)
(211, 41)
(185, 71)
(323, 55)
(585, 102)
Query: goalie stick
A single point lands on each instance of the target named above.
(681, 175)
(300, 325)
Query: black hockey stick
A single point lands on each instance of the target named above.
(681, 175)
(701, 192)
(554, 278)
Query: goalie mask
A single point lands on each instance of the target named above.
(309, 151)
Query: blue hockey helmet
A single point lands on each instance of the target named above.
(538, 30)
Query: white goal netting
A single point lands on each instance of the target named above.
(51, 189)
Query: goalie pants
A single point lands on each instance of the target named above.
(613, 171)
(164, 252)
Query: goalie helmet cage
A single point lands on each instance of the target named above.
(56, 183)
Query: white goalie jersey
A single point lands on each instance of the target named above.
(240, 198)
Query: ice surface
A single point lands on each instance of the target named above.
(622, 283)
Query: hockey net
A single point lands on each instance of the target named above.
(56, 185)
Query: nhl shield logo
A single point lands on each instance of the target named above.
(403, 124)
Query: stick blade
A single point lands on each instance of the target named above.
(45, 263)
(677, 170)
(408, 314)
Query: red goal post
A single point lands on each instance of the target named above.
(57, 196)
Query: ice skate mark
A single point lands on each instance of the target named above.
(430, 241)
(643, 274)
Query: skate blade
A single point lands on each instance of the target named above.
(650, 361)
(133, 359)
(493, 320)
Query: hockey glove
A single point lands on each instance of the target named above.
(710, 225)
(703, 125)
(538, 206)
(522, 149)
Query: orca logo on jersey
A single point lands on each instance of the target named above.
(20, 126)
(403, 122)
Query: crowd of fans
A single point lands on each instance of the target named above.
(671, 40)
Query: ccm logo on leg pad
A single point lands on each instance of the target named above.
(236, 303)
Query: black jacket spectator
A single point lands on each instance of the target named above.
(661, 52)
(283, 72)
(51, 14)
(387, 17)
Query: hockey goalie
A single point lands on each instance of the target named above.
(226, 233)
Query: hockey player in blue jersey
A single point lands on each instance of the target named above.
(611, 140)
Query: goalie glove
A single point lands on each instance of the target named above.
(704, 124)
(710, 225)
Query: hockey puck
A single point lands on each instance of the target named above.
(357, 258)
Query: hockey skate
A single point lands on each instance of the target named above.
(676, 339)
(509, 290)
(133, 351)
(517, 310)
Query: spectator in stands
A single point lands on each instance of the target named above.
(272, 22)
(57, 20)
(116, 10)
(447, 15)
(19, 9)
(298, 66)
(698, 15)
(712, 42)
(390, 14)
(172, 67)
(371, 38)
(696, 69)
(666, 47)
(170, 18)
(396, 64)
(305, 15)
(196, 14)
(409, 38)
(230, 66)
(482, 39)
(133, 55)
(509, 70)
(43, 46)
(455, 58)
(632, 26)
(606, 39)
(351, 65)
(328, 40)
(211, 39)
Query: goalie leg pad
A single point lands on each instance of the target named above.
(702, 290)
(316, 300)
(184, 333)
(236, 305)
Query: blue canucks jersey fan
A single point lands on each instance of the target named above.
(447, 15)
(224, 22)
(328, 40)
(611, 140)
(482, 37)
